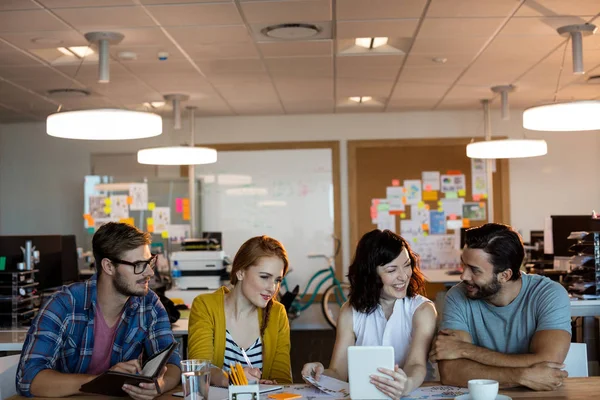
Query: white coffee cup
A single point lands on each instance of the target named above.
(483, 389)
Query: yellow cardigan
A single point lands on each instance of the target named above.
(206, 338)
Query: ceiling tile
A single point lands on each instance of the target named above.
(314, 106)
(378, 9)
(312, 48)
(430, 75)
(217, 67)
(148, 53)
(397, 105)
(154, 2)
(25, 40)
(444, 46)
(427, 59)
(419, 91)
(553, 8)
(348, 87)
(197, 14)
(104, 18)
(452, 27)
(287, 11)
(322, 66)
(538, 26)
(253, 108)
(381, 28)
(380, 67)
(196, 35)
(470, 8)
(30, 20)
(293, 89)
(84, 3)
(222, 50)
(11, 5)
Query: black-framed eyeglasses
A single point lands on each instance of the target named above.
(139, 266)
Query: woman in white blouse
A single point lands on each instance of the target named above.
(385, 308)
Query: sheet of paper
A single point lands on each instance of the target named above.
(421, 215)
(394, 196)
(431, 180)
(454, 224)
(435, 251)
(97, 204)
(474, 211)
(479, 183)
(430, 195)
(330, 386)
(162, 219)
(453, 183)
(453, 206)
(139, 196)
(119, 207)
(437, 222)
(435, 392)
(413, 191)
(410, 228)
(386, 221)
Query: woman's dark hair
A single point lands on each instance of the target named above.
(248, 256)
(502, 244)
(375, 249)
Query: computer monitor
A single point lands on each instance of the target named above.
(562, 226)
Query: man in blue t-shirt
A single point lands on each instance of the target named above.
(499, 323)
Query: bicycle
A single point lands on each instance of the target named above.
(333, 298)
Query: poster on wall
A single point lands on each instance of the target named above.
(453, 183)
(409, 228)
(439, 251)
(421, 215)
(437, 224)
(474, 211)
(385, 220)
(413, 191)
(139, 196)
(452, 207)
(119, 207)
(431, 180)
(395, 197)
(162, 219)
(97, 205)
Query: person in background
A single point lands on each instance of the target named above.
(500, 323)
(385, 308)
(105, 323)
(246, 319)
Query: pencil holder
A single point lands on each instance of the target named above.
(244, 392)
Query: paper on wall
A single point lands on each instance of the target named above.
(394, 197)
(421, 215)
(431, 180)
(119, 207)
(139, 195)
(162, 219)
(437, 223)
(453, 183)
(453, 206)
(410, 228)
(413, 191)
(474, 211)
(454, 224)
(479, 183)
(386, 221)
(97, 207)
(435, 251)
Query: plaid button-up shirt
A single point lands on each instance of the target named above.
(61, 336)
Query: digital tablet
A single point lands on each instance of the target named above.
(363, 362)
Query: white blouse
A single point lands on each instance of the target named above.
(374, 330)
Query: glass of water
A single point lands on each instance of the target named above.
(195, 379)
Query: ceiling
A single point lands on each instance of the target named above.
(218, 57)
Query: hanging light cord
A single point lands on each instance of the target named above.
(562, 66)
(76, 73)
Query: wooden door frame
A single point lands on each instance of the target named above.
(334, 146)
(354, 145)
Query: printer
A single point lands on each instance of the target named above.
(198, 270)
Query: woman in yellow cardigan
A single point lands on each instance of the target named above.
(227, 323)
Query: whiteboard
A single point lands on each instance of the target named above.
(285, 194)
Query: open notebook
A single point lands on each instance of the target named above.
(110, 383)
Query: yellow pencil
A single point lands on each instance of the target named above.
(233, 374)
(243, 375)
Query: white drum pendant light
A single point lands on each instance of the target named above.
(504, 148)
(104, 124)
(567, 116)
(507, 148)
(178, 155)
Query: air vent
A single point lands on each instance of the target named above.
(291, 31)
(68, 92)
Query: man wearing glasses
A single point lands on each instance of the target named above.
(108, 322)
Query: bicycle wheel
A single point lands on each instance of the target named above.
(332, 302)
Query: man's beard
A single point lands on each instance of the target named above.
(487, 291)
(122, 288)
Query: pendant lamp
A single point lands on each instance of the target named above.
(572, 115)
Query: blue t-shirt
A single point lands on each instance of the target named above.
(542, 304)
